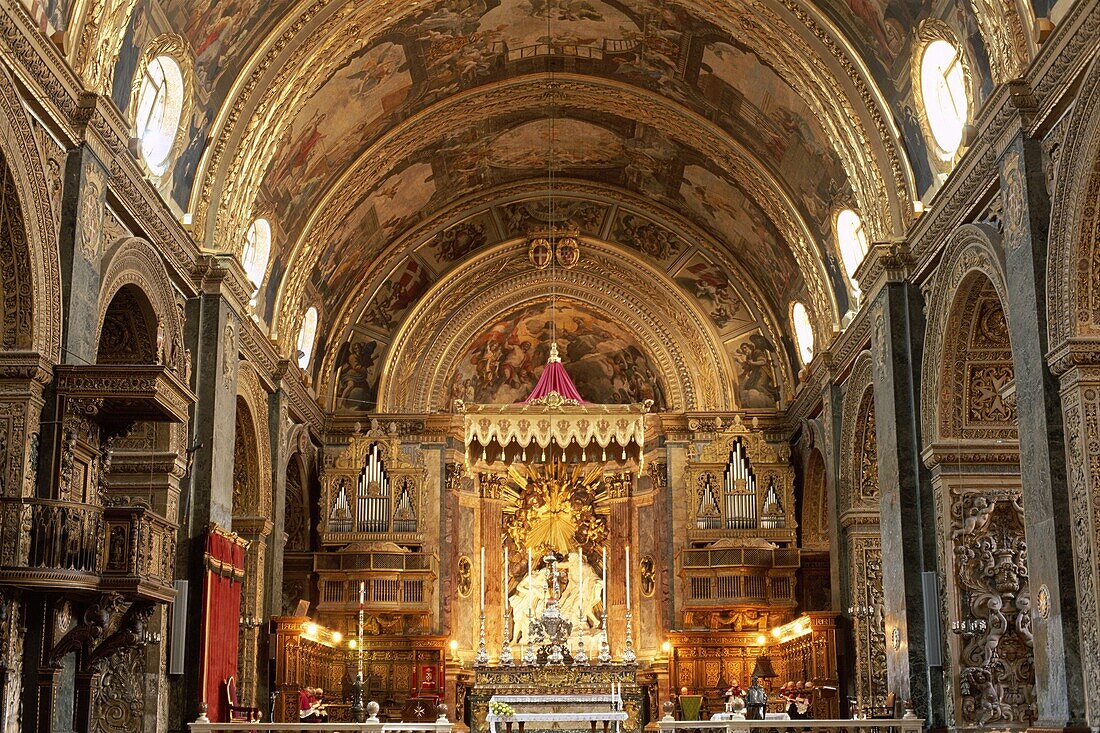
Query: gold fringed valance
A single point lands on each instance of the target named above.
(536, 433)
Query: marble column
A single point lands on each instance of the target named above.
(212, 333)
(279, 426)
(1059, 688)
(907, 518)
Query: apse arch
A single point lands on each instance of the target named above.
(692, 366)
(35, 320)
(514, 96)
(1073, 278)
(620, 202)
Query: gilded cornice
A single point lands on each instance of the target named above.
(1054, 74)
(570, 91)
(77, 116)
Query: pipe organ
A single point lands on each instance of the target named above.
(371, 535)
(740, 488)
(740, 561)
(373, 494)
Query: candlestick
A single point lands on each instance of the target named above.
(629, 656)
(628, 577)
(529, 656)
(483, 581)
(482, 657)
(581, 657)
(506, 644)
(604, 656)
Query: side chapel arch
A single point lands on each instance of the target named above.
(32, 311)
(252, 474)
(1073, 314)
(858, 504)
(972, 449)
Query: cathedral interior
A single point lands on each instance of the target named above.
(653, 346)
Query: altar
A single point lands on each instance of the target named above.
(582, 695)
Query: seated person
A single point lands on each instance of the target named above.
(311, 709)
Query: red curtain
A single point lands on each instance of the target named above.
(221, 615)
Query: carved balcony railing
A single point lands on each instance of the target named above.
(49, 543)
(739, 576)
(139, 553)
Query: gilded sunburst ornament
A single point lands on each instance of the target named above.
(555, 507)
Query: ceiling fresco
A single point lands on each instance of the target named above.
(368, 132)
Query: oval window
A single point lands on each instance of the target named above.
(943, 90)
(803, 332)
(306, 337)
(159, 111)
(852, 240)
(257, 250)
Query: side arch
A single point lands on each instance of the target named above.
(132, 261)
(972, 252)
(37, 299)
(1073, 253)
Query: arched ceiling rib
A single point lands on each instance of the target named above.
(451, 118)
(798, 47)
(657, 234)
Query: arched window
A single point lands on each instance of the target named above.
(159, 111)
(943, 90)
(803, 332)
(307, 337)
(852, 240)
(257, 250)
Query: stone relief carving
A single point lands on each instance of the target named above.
(997, 677)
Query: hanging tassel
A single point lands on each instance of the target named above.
(483, 454)
(603, 456)
(544, 455)
(583, 457)
(524, 458)
(624, 454)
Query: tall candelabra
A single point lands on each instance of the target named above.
(629, 656)
(482, 657)
(605, 648)
(506, 644)
(581, 657)
(529, 656)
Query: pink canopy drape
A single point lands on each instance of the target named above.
(554, 378)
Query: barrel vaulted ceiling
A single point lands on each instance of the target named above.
(393, 143)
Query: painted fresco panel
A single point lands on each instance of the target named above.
(754, 362)
(608, 364)
(711, 289)
(358, 369)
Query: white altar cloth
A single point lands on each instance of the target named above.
(593, 709)
(741, 716)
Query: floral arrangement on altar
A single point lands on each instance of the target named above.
(501, 709)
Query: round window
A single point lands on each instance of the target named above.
(943, 89)
(159, 111)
